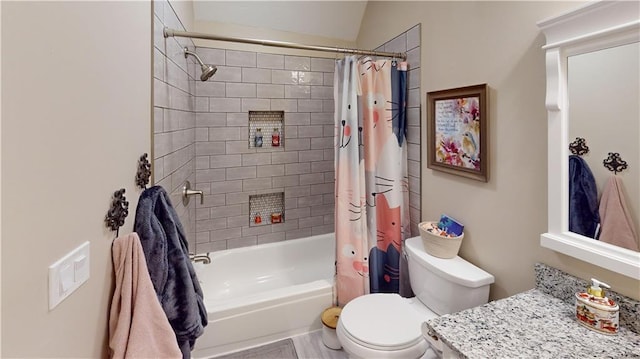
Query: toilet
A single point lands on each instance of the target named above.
(385, 325)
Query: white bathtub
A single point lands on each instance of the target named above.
(264, 293)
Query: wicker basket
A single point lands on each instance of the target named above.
(437, 245)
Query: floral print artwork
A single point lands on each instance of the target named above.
(457, 125)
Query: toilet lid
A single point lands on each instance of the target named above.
(382, 321)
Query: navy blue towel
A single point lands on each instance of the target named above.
(174, 279)
(584, 218)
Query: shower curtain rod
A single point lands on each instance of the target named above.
(291, 45)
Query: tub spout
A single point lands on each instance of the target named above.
(204, 258)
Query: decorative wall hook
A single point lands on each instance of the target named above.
(579, 146)
(614, 163)
(144, 172)
(118, 211)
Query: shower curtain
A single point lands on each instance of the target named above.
(371, 215)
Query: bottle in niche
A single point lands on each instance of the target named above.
(257, 219)
(257, 140)
(275, 138)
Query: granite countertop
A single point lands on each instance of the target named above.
(531, 324)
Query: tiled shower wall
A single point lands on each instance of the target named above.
(229, 171)
(174, 115)
(409, 42)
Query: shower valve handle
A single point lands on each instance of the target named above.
(187, 192)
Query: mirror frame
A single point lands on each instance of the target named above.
(594, 26)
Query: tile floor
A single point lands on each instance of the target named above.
(310, 346)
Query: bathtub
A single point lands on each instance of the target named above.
(259, 294)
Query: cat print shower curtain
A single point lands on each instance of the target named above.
(371, 214)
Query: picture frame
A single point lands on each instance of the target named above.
(458, 131)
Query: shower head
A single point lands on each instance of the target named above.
(207, 70)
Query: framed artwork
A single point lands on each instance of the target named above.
(457, 131)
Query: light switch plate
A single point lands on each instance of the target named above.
(68, 273)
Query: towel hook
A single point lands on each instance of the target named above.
(118, 211)
(614, 163)
(579, 146)
(144, 172)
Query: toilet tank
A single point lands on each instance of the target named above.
(445, 285)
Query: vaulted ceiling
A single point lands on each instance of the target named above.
(333, 19)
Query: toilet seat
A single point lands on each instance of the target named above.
(383, 322)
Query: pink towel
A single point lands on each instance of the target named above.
(616, 224)
(138, 327)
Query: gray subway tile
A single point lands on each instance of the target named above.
(313, 178)
(297, 91)
(327, 78)
(413, 116)
(413, 152)
(270, 61)
(310, 131)
(271, 91)
(242, 242)
(322, 118)
(328, 106)
(311, 155)
(255, 104)
(297, 168)
(226, 211)
(299, 233)
(321, 143)
(413, 37)
(270, 170)
(228, 74)
(238, 119)
(256, 184)
(241, 173)
(322, 188)
(286, 181)
(413, 98)
(321, 166)
(413, 78)
(310, 105)
(322, 92)
(298, 144)
(398, 44)
(224, 104)
(298, 213)
(310, 221)
(210, 175)
(310, 78)
(413, 58)
(210, 89)
(240, 58)
(252, 159)
(202, 162)
(322, 64)
(223, 161)
(286, 77)
(210, 119)
(300, 119)
(235, 147)
(261, 76)
(297, 63)
(284, 157)
(287, 105)
(225, 133)
(226, 187)
(210, 148)
(211, 224)
(241, 90)
(211, 56)
(297, 192)
(202, 104)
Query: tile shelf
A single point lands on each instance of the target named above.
(267, 121)
(264, 205)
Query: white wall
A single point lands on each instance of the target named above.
(467, 43)
(76, 96)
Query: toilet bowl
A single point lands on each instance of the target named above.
(388, 326)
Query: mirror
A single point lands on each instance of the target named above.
(576, 41)
(603, 91)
